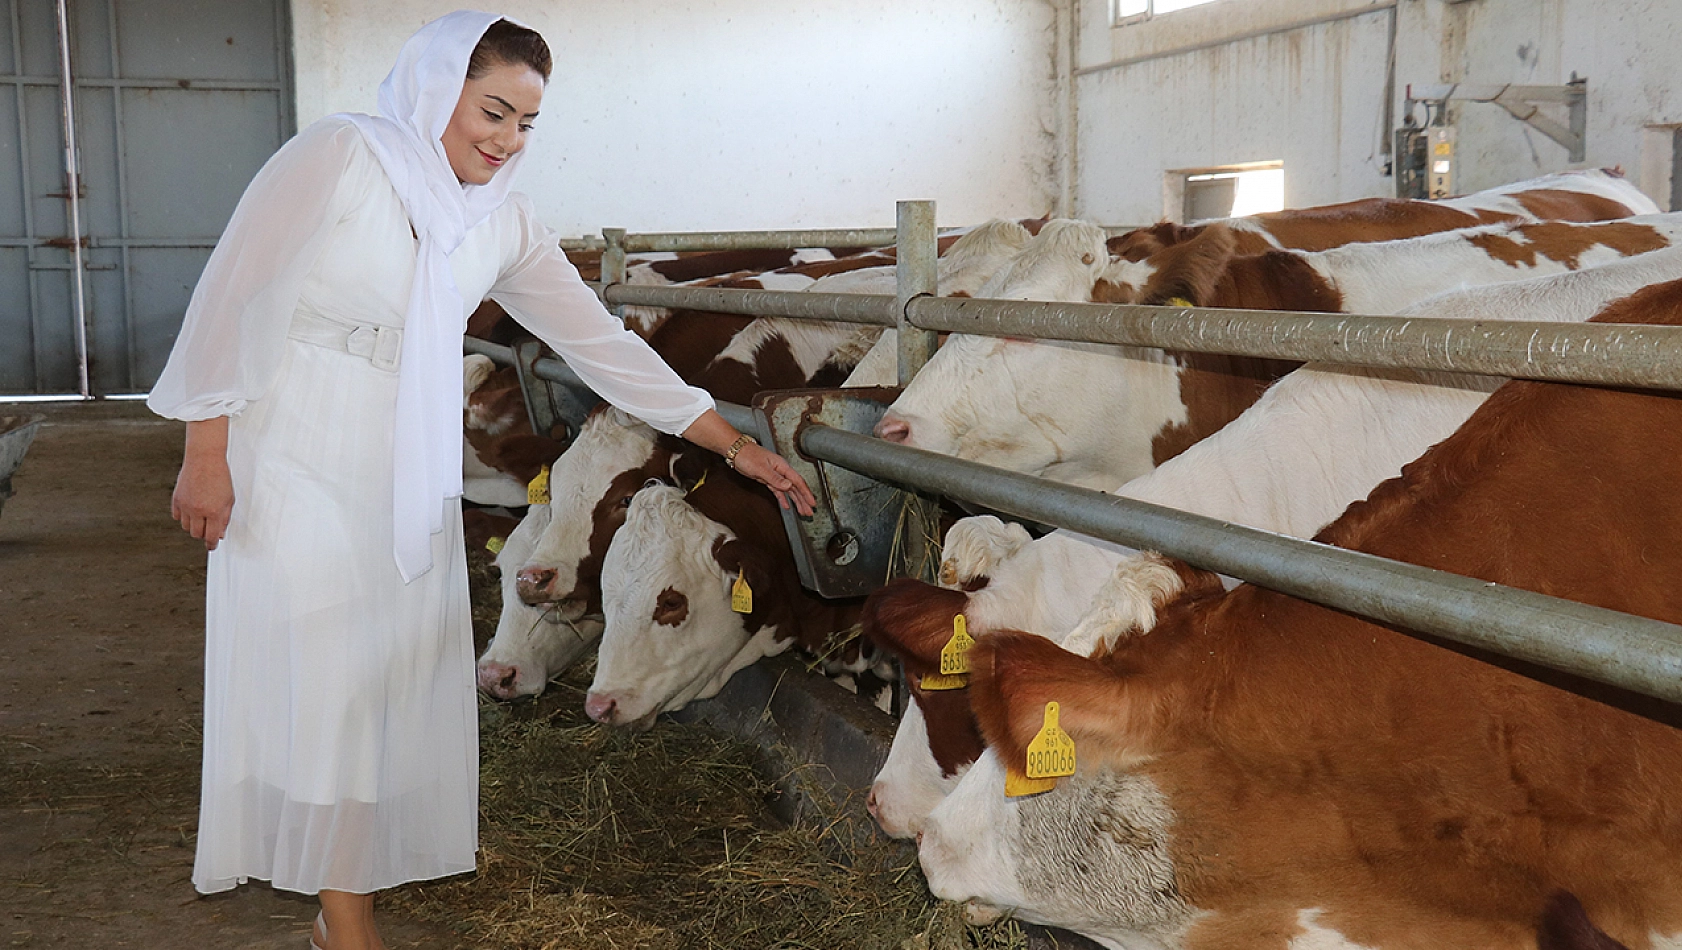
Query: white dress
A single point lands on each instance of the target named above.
(340, 740)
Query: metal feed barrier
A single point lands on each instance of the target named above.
(1618, 649)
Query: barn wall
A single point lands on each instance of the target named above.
(718, 114)
(1303, 81)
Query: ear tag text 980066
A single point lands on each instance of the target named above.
(1051, 755)
(537, 490)
(741, 595)
(954, 659)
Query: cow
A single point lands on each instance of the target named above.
(675, 629)
(1317, 441)
(530, 642)
(1259, 771)
(1096, 415)
(593, 483)
(1589, 195)
(500, 452)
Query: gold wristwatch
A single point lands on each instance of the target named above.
(736, 448)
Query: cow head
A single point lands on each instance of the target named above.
(1091, 855)
(671, 636)
(590, 488)
(531, 644)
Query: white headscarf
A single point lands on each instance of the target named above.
(416, 102)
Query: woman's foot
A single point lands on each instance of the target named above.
(318, 934)
(350, 920)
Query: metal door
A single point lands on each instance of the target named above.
(176, 105)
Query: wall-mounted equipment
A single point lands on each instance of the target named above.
(1523, 103)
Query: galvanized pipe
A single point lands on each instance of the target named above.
(771, 240)
(916, 259)
(872, 309)
(1619, 649)
(1601, 353)
(73, 188)
(613, 261)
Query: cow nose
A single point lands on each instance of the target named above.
(599, 707)
(893, 429)
(870, 804)
(919, 839)
(498, 680)
(535, 585)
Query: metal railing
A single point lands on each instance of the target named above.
(1619, 649)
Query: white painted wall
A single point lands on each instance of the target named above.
(734, 114)
(1233, 82)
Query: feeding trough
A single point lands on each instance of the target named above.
(16, 432)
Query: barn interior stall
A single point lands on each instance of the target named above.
(1058, 118)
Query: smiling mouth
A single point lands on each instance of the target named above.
(490, 159)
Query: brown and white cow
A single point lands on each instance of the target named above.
(1320, 439)
(618, 457)
(1096, 415)
(1589, 195)
(1259, 771)
(675, 634)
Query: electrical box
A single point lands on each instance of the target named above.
(1409, 161)
(1440, 159)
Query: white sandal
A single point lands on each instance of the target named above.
(321, 922)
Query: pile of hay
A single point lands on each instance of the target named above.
(592, 838)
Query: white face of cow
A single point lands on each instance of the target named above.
(590, 485)
(910, 784)
(1092, 856)
(671, 636)
(1076, 413)
(531, 643)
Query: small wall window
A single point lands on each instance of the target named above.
(1233, 191)
(1134, 11)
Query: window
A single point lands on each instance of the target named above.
(1133, 11)
(1232, 192)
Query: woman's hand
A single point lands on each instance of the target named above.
(773, 471)
(204, 491)
(762, 465)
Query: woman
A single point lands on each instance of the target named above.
(318, 370)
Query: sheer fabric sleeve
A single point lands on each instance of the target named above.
(234, 333)
(541, 289)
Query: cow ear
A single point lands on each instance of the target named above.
(912, 620)
(1192, 269)
(688, 466)
(1108, 713)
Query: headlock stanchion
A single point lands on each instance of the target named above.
(1619, 649)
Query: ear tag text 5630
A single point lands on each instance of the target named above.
(741, 595)
(954, 659)
(537, 490)
(1051, 755)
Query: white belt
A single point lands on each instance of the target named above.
(381, 346)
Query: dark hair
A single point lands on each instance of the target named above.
(508, 43)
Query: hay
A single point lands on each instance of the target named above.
(594, 839)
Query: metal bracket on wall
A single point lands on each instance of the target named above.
(845, 548)
(1524, 104)
(549, 404)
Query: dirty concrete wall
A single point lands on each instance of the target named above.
(1304, 82)
(721, 114)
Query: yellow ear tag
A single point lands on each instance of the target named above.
(494, 545)
(1052, 753)
(741, 595)
(698, 483)
(537, 490)
(1179, 302)
(1017, 784)
(954, 659)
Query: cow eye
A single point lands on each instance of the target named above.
(626, 501)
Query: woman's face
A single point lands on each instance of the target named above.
(491, 120)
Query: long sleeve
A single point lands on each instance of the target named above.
(234, 333)
(541, 289)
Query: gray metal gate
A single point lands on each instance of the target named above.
(176, 104)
